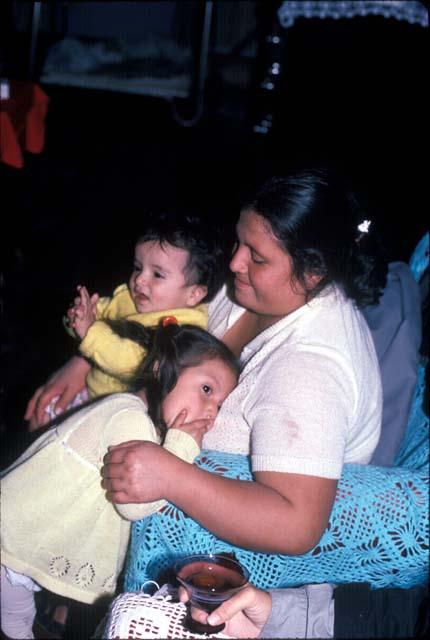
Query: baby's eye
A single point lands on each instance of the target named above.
(157, 274)
(206, 389)
(136, 267)
(234, 248)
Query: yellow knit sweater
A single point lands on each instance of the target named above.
(57, 527)
(112, 356)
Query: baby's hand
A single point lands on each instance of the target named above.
(196, 429)
(83, 314)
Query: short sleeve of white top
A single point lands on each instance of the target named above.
(309, 398)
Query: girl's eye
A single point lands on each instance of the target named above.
(157, 274)
(206, 388)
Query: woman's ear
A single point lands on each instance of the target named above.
(311, 280)
(195, 294)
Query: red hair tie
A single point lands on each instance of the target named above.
(169, 320)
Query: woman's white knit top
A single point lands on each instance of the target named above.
(309, 398)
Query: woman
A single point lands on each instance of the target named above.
(309, 397)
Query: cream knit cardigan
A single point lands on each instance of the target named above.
(57, 527)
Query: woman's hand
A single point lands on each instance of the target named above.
(245, 613)
(137, 471)
(196, 429)
(65, 384)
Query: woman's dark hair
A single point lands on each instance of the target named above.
(207, 259)
(169, 350)
(315, 217)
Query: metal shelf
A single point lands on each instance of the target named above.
(121, 78)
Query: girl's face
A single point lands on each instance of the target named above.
(264, 281)
(158, 279)
(200, 390)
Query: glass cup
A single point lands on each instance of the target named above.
(209, 579)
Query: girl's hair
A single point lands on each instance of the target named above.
(170, 350)
(315, 217)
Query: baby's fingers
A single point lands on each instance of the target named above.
(85, 296)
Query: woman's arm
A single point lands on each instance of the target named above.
(279, 513)
(65, 383)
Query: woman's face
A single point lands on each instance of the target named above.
(263, 280)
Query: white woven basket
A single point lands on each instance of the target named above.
(138, 615)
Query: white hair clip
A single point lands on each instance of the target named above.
(363, 227)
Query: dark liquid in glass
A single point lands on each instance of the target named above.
(213, 583)
(209, 585)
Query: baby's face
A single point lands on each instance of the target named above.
(158, 279)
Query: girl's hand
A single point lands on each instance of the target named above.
(83, 314)
(196, 429)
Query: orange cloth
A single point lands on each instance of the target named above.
(10, 151)
(22, 122)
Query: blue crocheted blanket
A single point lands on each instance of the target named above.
(378, 533)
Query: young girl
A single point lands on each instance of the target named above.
(57, 528)
(177, 269)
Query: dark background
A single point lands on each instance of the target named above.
(351, 92)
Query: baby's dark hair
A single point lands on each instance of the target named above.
(170, 349)
(315, 216)
(207, 261)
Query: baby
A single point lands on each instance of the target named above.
(178, 267)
